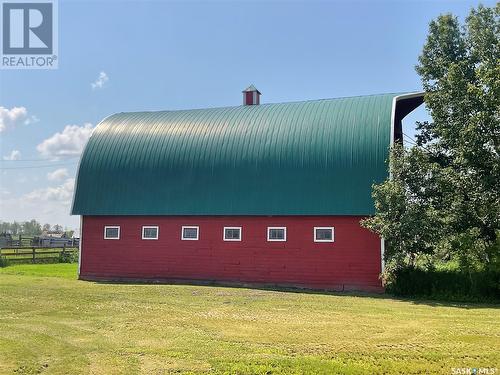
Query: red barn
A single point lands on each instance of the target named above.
(260, 193)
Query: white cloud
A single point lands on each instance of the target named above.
(58, 175)
(47, 205)
(100, 82)
(12, 117)
(31, 120)
(61, 194)
(14, 155)
(69, 142)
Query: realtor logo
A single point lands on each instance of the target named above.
(29, 34)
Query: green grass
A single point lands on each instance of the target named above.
(52, 323)
(63, 270)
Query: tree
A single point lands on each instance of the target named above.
(460, 70)
(450, 184)
(46, 227)
(32, 228)
(4, 227)
(16, 228)
(406, 216)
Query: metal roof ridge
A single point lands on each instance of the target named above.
(268, 104)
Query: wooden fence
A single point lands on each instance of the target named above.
(8, 241)
(31, 254)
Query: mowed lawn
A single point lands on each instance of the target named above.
(52, 323)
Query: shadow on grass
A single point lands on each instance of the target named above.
(463, 304)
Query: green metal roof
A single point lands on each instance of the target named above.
(316, 157)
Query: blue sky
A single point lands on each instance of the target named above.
(125, 56)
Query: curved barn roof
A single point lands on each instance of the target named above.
(316, 157)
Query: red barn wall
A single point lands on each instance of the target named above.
(352, 262)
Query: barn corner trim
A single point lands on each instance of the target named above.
(418, 97)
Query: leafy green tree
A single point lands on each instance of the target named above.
(15, 228)
(32, 228)
(406, 215)
(4, 227)
(445, 193)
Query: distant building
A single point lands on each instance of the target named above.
(52, 234)
(258, 193)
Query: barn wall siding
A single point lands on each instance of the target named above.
(352, 262)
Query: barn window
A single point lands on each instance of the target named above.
(111, 232)
(323, 234)
(276, 233)
(232, 233)
(190, 233)
(150, 233)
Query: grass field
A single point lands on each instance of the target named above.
(52, 323)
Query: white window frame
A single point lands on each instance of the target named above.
(276, 239)
(150, 227)
(232, 239)
(333, 234)
(190, 227)
(111, 227)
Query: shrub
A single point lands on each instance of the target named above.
(4, 262)
(67, 257)
(453, 285)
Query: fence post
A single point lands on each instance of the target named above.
(34, 255)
